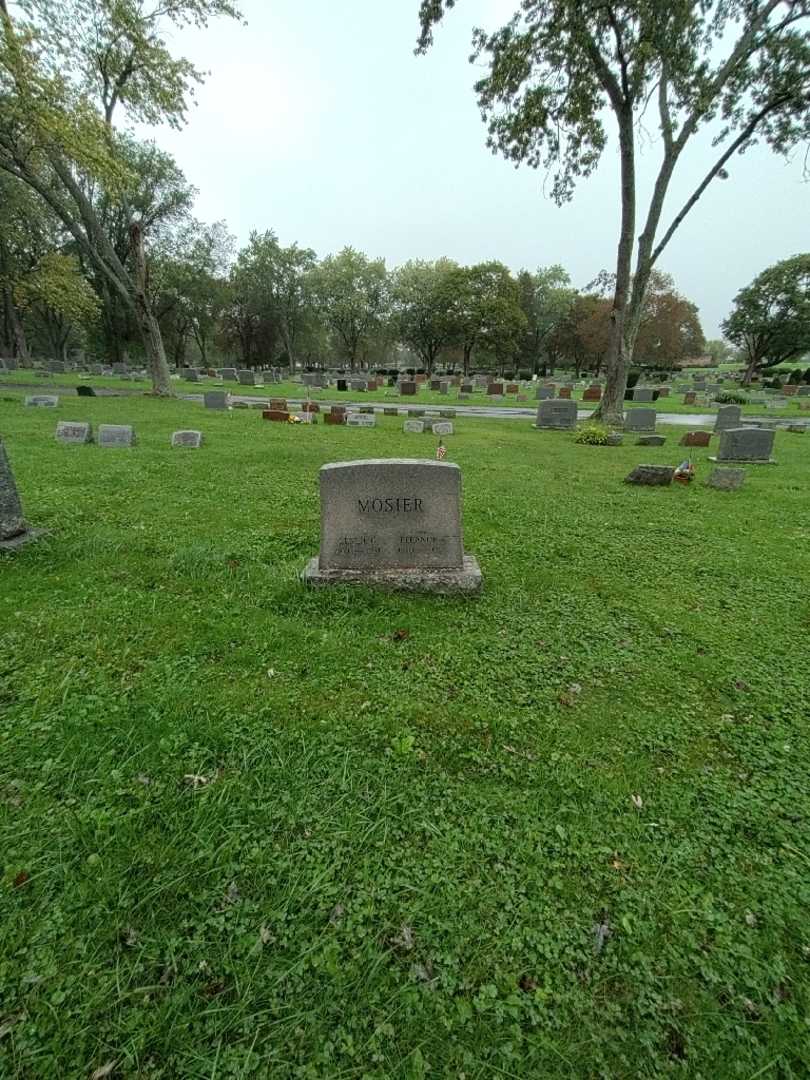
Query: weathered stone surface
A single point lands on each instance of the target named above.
(278, 405)
(215, 399)
(280, 416)
(495, 389)
(334, 418)
(443, 427)
(247, 377)
(191, 439)
(728, 416)
(368, 410)
(796, 429)
(42, 401)
(311, 406)
(642, 394)
(651, 440)
(413, 427)
(69, 431)
(447, 414)
(512, 388)
(228, 374)
(690, 398)
(407, 389)
(726, 479)
(12, 522)
(564, 393)
(390, 410)
(639, 420)
(696, 438)
(592, 393)
(116, 435)
(651, 475)
(746, 444)
(615, 438)
(358, 419)
(395, 524)
(557, 413)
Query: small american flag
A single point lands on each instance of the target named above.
(441, 451)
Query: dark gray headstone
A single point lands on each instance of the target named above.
(247, 377)
(12, 522)
(746, 444)
(728, 416)
(642, 394)
(726, 479)
(557, 413)
(651, 475)
(215, 399)
(639, 420)
(85, 391)
(651, 440)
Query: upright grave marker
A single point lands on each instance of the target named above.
(115, 435)
(746, 444)
(557, 414)
(728, 416)
(14, 530)
(394, 524)
(68, 431)
(639, 420)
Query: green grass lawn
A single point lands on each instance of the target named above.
(384, 396)
(250, 830)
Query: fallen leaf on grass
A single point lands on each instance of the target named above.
(103, 1070)
(7, 1024)
(265, 936)
(601, 932)
(400, 635)
(750, 918)
(129, 937)
(528, 984)
(404, 939)
(422, 972)
(637, 801)
(21, 879)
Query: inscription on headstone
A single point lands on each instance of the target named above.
(746, 444)
(191, 439)
(639, 420)
(42, 401)
(68, 431)
(557, 413)
(115, 435)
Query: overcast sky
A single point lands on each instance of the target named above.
(317, 121)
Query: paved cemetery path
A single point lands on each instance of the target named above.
(486, 412)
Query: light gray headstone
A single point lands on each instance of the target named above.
(42, 401)
(642, 394)
(746, 444)
(639, 420)
(116, 435)
(247, 377)
(415, 427)
(728, 416)
(545, 393)
(557, 413)
(68, 431)
(191, 439)
(356, 419)
(228, 374)
(443, 427)
(216, 399)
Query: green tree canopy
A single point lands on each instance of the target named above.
(352, 294)
(423, 305)
(770, 320)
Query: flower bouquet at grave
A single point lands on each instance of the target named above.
(292, 419)
(685, 473)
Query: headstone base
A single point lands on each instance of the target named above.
(465, 580)
(24, 538)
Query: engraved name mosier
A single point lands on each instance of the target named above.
(389, 506)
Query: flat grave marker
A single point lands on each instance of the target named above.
(116, 435)
(74, 432)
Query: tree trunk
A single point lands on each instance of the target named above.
(751, 370)
(611, 407)
(147, 323)
(14, 327)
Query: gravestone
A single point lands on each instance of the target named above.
(593, 393)
(56, 367)
(434, 385)
(696, 438)
(512, 388)
(390, 410)
(728, 416)
(690, 398)
(651, 440)
(73, 432)
(342, 385)
(216, 399)
(443, 427)
(558, 414)
(367, 409)
(359, 385)
(615, 438)
(228, 374)
(746, 444)
(14, 530)
(85, 391)
(311, 407)
(246, 377)
(651, 475)
(192, 439)
(664, 391)
(544, 393)
(278, 404)
(357, 419)
(495, 389)
(468, 388)
(115, 435)
(413, 427)
(726, 479)
(338, 410)
(393, 524)
(642, 394)
(42, 401)
(407, 389)
(334, 418)
(192, 374)
(639, 420)
(444, 388)
(447, 414)
(564, 393)
(279, 416)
